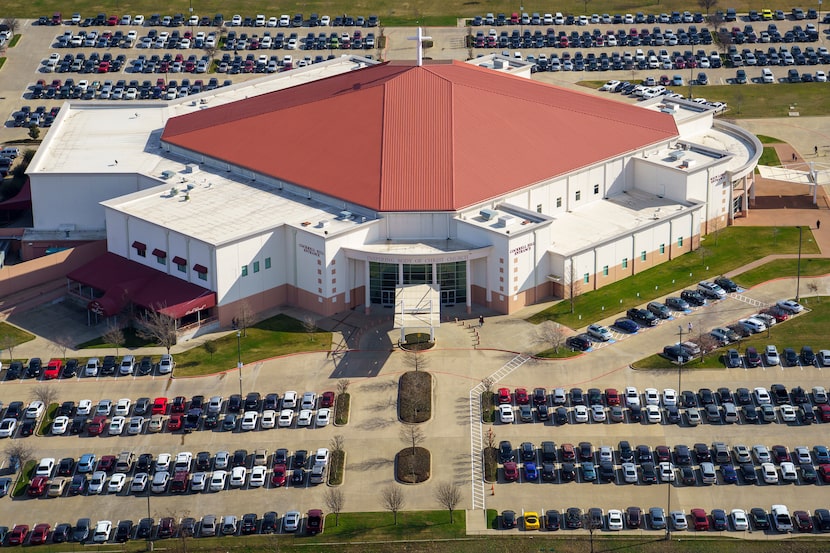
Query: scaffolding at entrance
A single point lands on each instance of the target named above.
(418, 306)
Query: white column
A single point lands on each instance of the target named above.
(349, 265)
(468, 287)
(435, 273)
(368, 302)
(400, 274)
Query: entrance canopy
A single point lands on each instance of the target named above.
(122, 281)
(418, 306)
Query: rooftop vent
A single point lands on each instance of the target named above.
(488, 214)
(689, 163)
(345, 215)
(507, 220)
(191, 168)
(323, 224)
(167, 174)
(677, 154)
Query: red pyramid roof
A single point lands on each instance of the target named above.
(399, 137)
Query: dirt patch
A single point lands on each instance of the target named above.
(415, 397)
(413, 465)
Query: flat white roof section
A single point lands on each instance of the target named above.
(417, 306)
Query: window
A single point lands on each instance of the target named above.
(161, 260)
(140, 248)
(182, 268)
(559, 201)
(267, 262)
(586, 278)
(662, 248)
(244, 270)
(180, 263)
(605, 271)
(625, 263)
(141, 253)
(596, 189)
(643, 255)
(256, 266)
(202, 276)
(538, 208)
(578, 195)
(680, 242)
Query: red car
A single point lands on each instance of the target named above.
(112, 20)
(824, 412)
(53, 369)
(662, 453)
(803, 521)
(612, 396)
(39, 534)
(37, 486)
(178, 405)
(278, 476)
(327, 399)
(700, 519)
(18, 534)
(824, 472)
(175, 422)
(159, 406)
(504, 396)
(96, 427)
(314, 521)
(106, 463)
(568, 452)
(511, 472)
(521, 396)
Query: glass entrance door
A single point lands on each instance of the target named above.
(447, 297)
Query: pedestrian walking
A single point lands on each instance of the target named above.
(794, 157)
(481, 320)
(815, 150)
(818, 224)
(690, 327)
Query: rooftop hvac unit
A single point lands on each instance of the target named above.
(669, 108)
(167, 174)
(191, 168)
(488, 214)
(498, 64)
(345, 215)
(323, 224)
(677, 154)
(689, 163)
(507, 220)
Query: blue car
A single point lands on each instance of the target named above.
(822, 454)
(531, 472)
(730, 475)
(627, 325)
(589, 471)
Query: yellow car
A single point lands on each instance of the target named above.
(531, 520)
(766, 15)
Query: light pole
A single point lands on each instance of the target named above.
(798, 271)
(149, 540)
(679, 357)
(239, 359)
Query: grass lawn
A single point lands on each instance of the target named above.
(784, 268)
(563, 353)
(131, 340)
(768, 139)
(279, 335)
(769, 157)
(48, 419)
(412, 526)
(10, 334)
(342, 405)
(731, 248)
(804, 330)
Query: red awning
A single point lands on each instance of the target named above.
(159, 253)
(179, 260)
(200, 268)
(123, 280)
(139, 245)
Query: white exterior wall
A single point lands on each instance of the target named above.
(230, 258)
(663, 181)
(692, 126)
(339, 274)
(521, 265)
(423, 226)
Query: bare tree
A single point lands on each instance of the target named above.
(309, 326)
(416, 360)
(571, 284)
(335, 499)
(46, 393)
(210, 51)
(448, 494)
(707, 5)
(13, 23)
(336, 443)
(490, 439)
(8, 342)
(812, 287)
(19, 453)
(488, 383)
(343, 385)
(707, 343)
(412, 434)
(60, 344)
(245, 317)
(210, 347)
(393, 500)
(115, 335)
(550, 334)
(158, 327)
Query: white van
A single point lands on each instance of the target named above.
(767, 76)
(10, 152)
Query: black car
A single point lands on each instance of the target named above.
(561, 416)
(553, 520)
(594, 396)
(568, 472)
(744, 396)
(779, 394)
(626, 453)
(252, 401)
(270, 402)
(725, 395)
(687, 476)
(727, 284)
(578, 343)
(203, 461)
(62, 533)
(706, 397)
(66, 409)
(748, 473)
(659, 310)
(15, 371)
(108, 365)
(822, 519)
(719, 519)
(508, 519)
(187, 528)
(249, 521)
(239, 458)
(300, 459)
(142, 406)
(577, 396)
(642, 316)
(807, 356)
(688, 398)
(211, 421)
(527, 452)
(192, 419)
(229, 422)
(682, 456)
(35, 368)
(81, 530)
(677, 353)
(505, 451)
(626, 325)
(595, 517)
(673, 414)
(649, 473)
(750, 413)
(635, 413)
(123, 531)
(281, 456)
(298, 477)
(145, 366)
(78, 484)
(269, 523)
(702, 453)
(548, 472)
(677, 304)
(66, 466)
(606, 471)
(543, 413)
(759, 518)
(234, 403)
(693, 297)
(27, 428)
(790, 357)
(70, 369)
(144, 529)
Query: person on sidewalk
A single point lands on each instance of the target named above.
(480, 321)
(818, 224)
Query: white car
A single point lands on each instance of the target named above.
(198, 481)
(249, 420)
(116, 483)
(183, 460)
(309, 401)
(632, 396)
(666, 471)
(771, 356)
(138, 20)
(286, 418)
(753, 325)
(159, 482)
(97, 482)
(103, 529)
(653, 414)
(615, 519)
(790, 305)
(787, 413)
(599, 332)
(669, 397)
(35, 409)
(678, 520)
(135, 426)
(769, 473)
(7, 427)
(163, 462)
(762, 396)
(166, 364)
(84, 407)
(742, 455)
(305, 417)
(629, 471)
(238, 477)
(610, 85)
(739, 520)
(217, 480)
(257, 477)
(761, 453)
(598, 413)
(819, 393)
(103, 408)
(291, 521)
(139, 483)
(236, 20)
(506, 415)
(289, 400)
(122, 407)
(221, 459)
(323, 417)
(580, 413)
(788, 473)
(321, 456)
(268, 420)
(606, 453)
(60, 425)
(651, 396)
(117, 426)
(44, 468)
